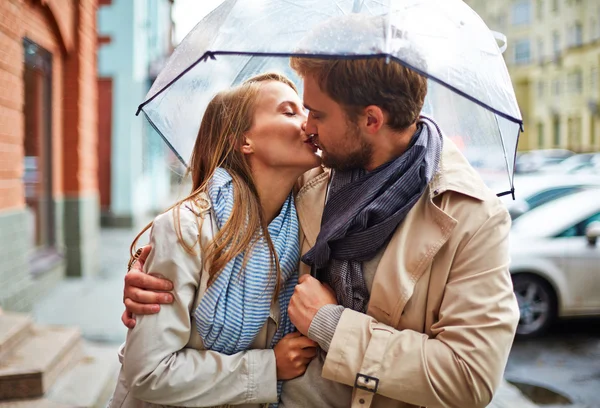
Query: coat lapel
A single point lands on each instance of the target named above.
(310, 202)
(406, 257)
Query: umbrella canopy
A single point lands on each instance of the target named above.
(470, 94)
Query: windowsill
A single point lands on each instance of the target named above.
(44, 260)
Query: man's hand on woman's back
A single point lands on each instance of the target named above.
(143, 294)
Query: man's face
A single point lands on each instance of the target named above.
(341, 142)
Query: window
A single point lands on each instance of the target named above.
(546, 196)
(594, 81)
(578, 230)
(575, 82)
(521, 12)
(37, 174)
(501, 22)
(556, 130)
(593, 29)
(540, 131)
(556, 43)
(522, 52)
(540, 49)
(556, 87)
(576, 35)
(539, 8)
(555, 5)
(540, 88)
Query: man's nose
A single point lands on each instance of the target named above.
(309, 128)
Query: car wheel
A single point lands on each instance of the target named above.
(537, 305)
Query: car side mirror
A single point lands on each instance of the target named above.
(592, 233)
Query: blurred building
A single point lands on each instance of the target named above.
(135, 38)
(48, 142)
(553, 57)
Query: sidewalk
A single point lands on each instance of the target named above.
(95, 305)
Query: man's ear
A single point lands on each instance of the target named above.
(247, 146)
(373, 119)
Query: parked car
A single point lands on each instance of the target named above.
(555, 261)
(573, 164)
(534, 160)
(532, 191)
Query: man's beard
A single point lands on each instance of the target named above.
(360, 158)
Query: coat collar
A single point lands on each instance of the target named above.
(454, 174)
(413, 246)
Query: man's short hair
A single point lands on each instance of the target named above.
(358, 83)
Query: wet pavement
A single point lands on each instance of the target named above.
(566, 360)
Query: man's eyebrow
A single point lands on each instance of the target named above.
(310, 109)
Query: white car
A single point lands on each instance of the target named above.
(535, 190)
(555, 261)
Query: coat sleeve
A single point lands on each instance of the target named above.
(463, 363)
(157, 366)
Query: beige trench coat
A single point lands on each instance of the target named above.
(164, 362)
(442, 313)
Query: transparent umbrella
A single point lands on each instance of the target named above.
(470, 94)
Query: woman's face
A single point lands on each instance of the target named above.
(277, 137)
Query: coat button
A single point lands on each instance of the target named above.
(362, 401)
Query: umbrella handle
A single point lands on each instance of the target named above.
(501, 40)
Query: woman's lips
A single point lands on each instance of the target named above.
(312, 140)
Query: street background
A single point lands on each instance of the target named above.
(80, 175)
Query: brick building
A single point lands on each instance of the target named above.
(48, 145)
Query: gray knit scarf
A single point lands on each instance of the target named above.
(364, 209)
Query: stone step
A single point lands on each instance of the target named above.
(32, 366)
(34, 403)
(14, 327)
(91, 381)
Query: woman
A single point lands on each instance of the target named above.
(231, 249)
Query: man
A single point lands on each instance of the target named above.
(411, 241)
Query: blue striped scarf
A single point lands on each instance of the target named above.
(236, 306)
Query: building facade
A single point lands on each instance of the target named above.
(48, 142)
(135, 37)
(553, 57)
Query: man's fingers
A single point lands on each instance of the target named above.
(128, 320)
(304, 278)
(291, 335)
(148, 282)
(308, 353)
(140, 308)
(304, 342)
(147, 297)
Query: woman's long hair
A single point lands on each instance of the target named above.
(228, 117)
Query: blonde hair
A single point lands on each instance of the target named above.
(356, 84)
(227, 118)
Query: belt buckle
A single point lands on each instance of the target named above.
(366, 380)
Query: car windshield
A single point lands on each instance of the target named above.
(543, 197)
(556, 216)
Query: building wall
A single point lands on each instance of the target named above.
(137, 37)
(545, 82)
(66, 29)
